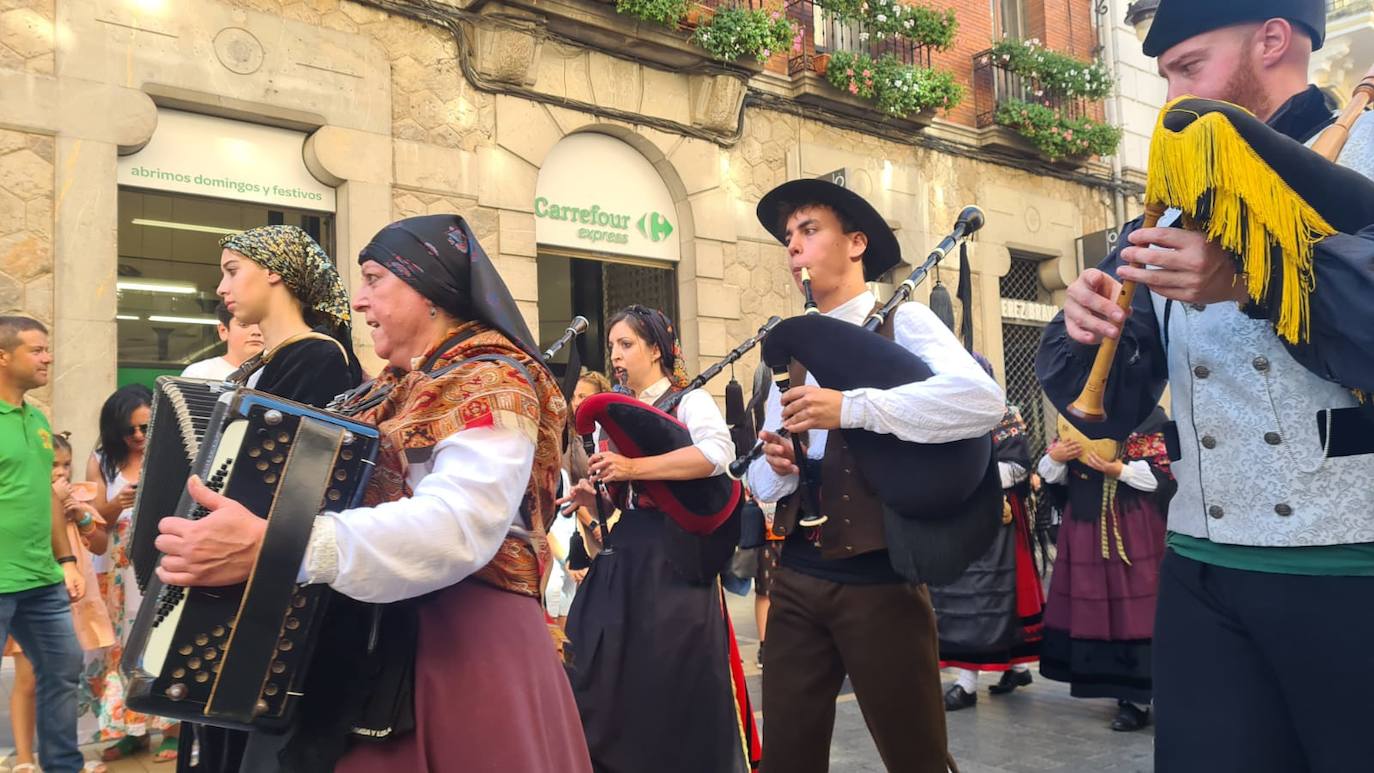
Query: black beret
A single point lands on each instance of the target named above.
(1174, 24)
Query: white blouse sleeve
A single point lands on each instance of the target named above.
(464, 503)
(959, 401)
(1052, 471)
(1137, 475)
(710, 433)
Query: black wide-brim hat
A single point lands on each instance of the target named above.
(1174, 24)
(883, 250)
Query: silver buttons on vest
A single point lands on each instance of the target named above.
(1209, 442)
(1260, 364)
(1215, 511)
(1201, 371)
(1273, 438)
(1283, 510)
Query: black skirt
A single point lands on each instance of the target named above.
(649, 661)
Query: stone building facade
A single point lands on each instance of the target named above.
(407, 108)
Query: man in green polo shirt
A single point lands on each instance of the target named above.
(38, 575)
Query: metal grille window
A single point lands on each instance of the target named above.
(1022, 282)
(1019, 344)
(1020, 341)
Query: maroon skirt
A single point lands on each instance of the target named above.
(490, 693)
(1099, 617)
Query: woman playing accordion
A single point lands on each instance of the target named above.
(446, 549)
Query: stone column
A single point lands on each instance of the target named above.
(359, 165)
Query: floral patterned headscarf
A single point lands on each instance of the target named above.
(302, 263)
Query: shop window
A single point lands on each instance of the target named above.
(597, 289)
(168, 271)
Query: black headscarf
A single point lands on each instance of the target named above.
(439, 256)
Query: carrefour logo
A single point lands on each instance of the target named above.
(654, 226)
(599, 225)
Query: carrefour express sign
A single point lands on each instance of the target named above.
(597, 193)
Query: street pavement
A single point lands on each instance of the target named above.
(1039, 728)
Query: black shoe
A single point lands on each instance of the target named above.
(1130, 717)
(957, 698)
(759, 659)
(1011, 679)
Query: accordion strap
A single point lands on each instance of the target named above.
(253, 641)
(259, 361)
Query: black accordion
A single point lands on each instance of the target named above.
(236, 656)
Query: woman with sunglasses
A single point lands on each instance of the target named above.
(651, 658)
(117, 461)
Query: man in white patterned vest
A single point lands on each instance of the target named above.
(1264, 641)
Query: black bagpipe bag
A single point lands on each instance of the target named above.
(942, 502)
(701, 530)
(921, 481)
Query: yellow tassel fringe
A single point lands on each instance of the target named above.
(1254, 211)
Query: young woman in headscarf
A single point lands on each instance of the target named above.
(653, 664)
(280, 279)
(449, 540)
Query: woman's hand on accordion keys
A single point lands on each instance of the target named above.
(217, 549)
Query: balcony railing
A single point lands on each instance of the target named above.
(822, 33)
(994, 85)
(1338, 8)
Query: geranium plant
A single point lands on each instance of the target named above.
(1053, 73)
(736, 32)
(896, 88)
(894, 18)
(665, 12)
(1056, 136)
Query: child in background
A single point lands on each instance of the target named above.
(85, 528)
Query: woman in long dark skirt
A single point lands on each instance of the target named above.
(653, 664)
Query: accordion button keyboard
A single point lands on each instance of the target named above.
(176, 691)
(172, 598)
